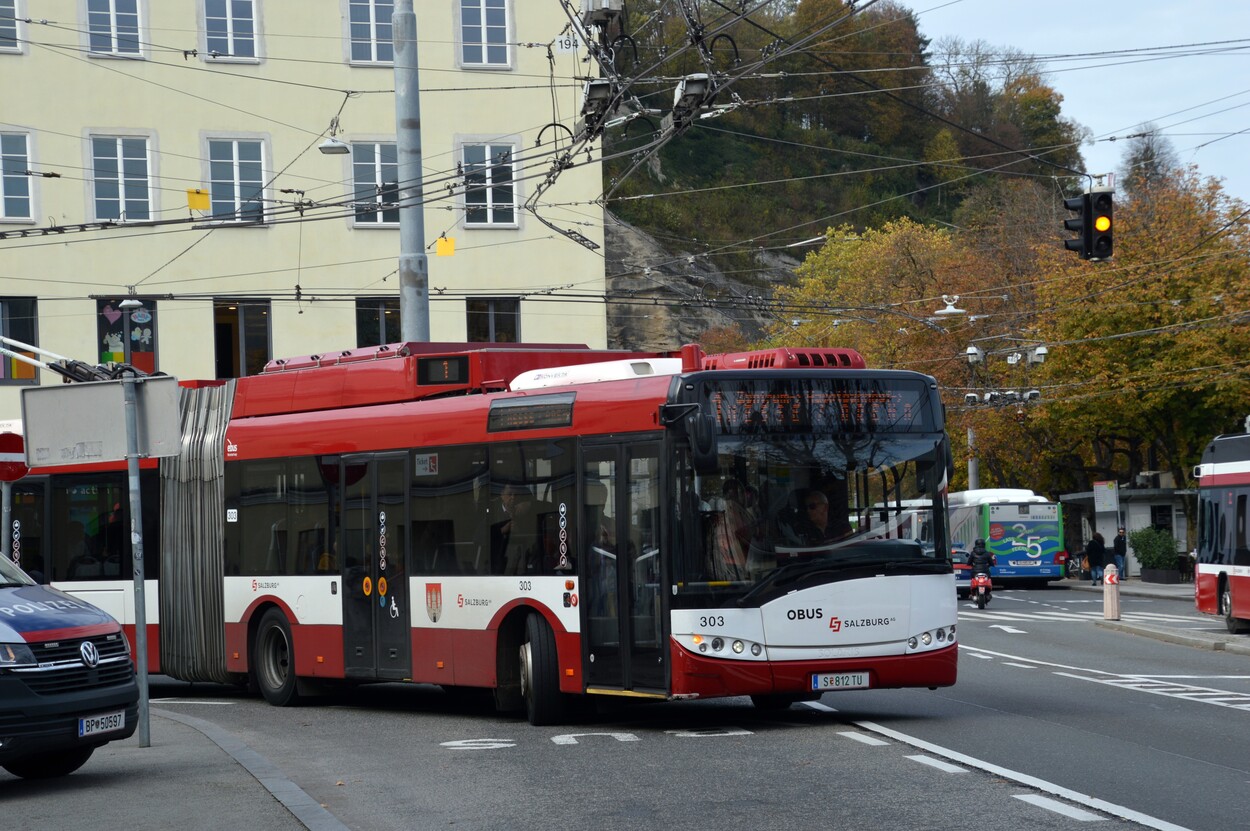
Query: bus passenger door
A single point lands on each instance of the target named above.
(623, 610)
(376, 640)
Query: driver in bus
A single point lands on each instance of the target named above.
(816, 526)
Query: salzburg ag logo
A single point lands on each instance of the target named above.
(835, 624)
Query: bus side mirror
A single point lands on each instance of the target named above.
(701, 431)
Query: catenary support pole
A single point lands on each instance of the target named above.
(136, 545)
(414, 277)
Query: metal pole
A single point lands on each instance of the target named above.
(414, 277)
(136, 545)
(974, 475)
(7, 542)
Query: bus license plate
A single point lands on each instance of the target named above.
(1023, 563)
(840, 681)
(107, 723)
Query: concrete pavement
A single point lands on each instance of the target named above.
(195, 776)
(1208, 632)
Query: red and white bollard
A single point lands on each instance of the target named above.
(1111, 593)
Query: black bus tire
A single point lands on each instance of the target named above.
(273, 660)
(540, 674)
(1234, 625)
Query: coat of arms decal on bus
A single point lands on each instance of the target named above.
(434, 601)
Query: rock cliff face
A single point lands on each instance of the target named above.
(660, 297)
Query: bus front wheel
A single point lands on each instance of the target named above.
(540, 677)
(273, 659)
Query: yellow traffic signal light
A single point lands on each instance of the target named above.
(1101, 205)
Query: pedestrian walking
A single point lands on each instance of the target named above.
(1119, 548)
(1096, 552)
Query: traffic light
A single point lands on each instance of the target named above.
(1083, 244)
(1101, 226)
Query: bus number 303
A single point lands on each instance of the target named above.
(712, 620)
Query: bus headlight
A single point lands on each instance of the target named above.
(718, 644)
(926, 638)
(756, 649)
(738, 646)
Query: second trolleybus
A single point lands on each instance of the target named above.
(1222, 569)
(541, 522)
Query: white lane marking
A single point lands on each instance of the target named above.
(1024, 779)
(1021, 666)
(1059, 807)
(1198, 695)
(938, 763)
(860, 737)
(816, 705)
(1009, 630)
(972, 613)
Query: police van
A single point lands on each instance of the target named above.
(67, 684)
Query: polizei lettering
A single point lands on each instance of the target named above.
(40, 606)
(806, 614)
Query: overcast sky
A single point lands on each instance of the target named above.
(1190, 75)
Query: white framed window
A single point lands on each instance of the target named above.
(377, 321)
(121, 178)
(375, 177)
(493, 320)
(230, 30)
(113, 28)
(10, 32)
(484, 33)
(18, 316)
(489, 192)
(236, 180)
(369, 31)
(15, 196)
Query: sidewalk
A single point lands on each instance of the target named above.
(1208, 631)
(194, 776)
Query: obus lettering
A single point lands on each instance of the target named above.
(806, 614)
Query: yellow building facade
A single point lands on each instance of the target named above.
(170, 154)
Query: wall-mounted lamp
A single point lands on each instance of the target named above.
(1038, 355)
(974, 354)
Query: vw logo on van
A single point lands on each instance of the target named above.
(90, 655)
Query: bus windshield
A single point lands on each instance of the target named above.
(779, 508)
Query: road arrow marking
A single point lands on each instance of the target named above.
(1009, 630)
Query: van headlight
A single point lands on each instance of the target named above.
(15, 656)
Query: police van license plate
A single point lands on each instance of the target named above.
(106, 723)
(840, 681)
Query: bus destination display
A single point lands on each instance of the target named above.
(842, 405)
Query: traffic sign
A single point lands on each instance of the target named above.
(12, 457)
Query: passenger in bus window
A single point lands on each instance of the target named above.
(518, 533)
(729, 533)
(82, 560)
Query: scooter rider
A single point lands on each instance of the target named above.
(980, 560)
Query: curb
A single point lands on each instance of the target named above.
(1213, 642)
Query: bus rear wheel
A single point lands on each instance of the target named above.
(273, 659)
(540, 676)
(1234, 625)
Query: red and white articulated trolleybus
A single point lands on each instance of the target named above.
(549, 523)
(1222, 570)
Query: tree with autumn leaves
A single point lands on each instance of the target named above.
(1147, 354)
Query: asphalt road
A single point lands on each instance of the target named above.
(1059, 717)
